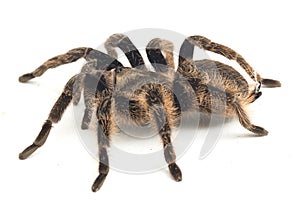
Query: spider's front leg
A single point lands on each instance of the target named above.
(54, 117)
(103, 61)
(96, 60)
(69, 57)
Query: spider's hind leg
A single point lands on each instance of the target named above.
(54, 117)
(245, 121)
(187, 50)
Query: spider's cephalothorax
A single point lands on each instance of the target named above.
(146, 98)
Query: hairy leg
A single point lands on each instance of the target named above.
(125, 44)
(187, 50)
(54, 117)
(170, 156)
(79, 84)
(162, 114)
(93, 82)
(71, 56)
(105, 128)
(90, 104)
(103, 144)
(245, 121)
(104, 61)
(153, 50)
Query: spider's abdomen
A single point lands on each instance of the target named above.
(214, 100)
(215, 84)
(223, 77)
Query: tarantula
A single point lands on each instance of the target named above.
(147, 98)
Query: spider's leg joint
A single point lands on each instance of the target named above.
(39, 141)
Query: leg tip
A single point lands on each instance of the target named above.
(175, 172)
(22, 156)
(95, 189)
(28, 151)
(270, 83)
(98, 182)
(260, 131)
(26, 77)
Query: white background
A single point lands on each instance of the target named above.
(266, 33)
